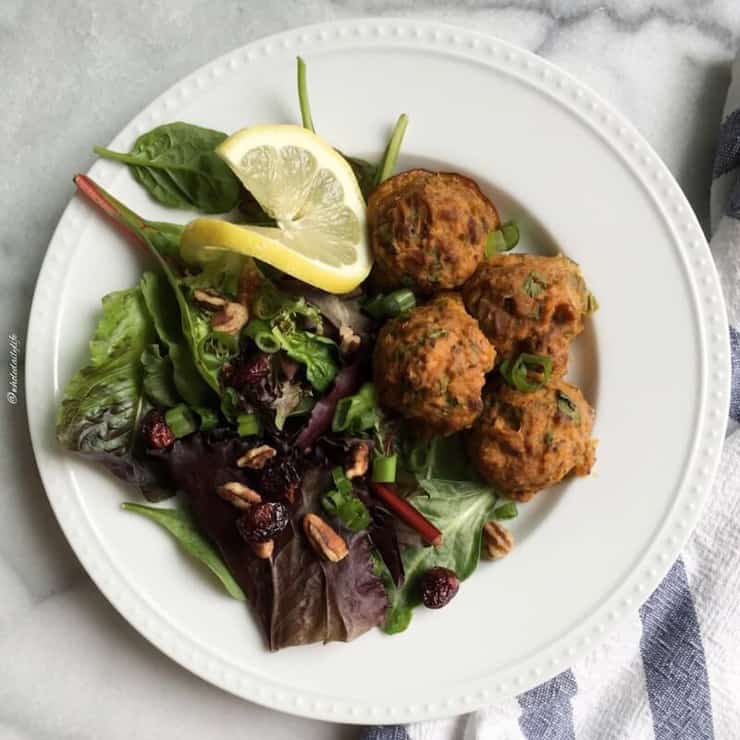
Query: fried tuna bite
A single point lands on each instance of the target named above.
(526, 303)
(428, 230)
(430, 365)
(523, 442)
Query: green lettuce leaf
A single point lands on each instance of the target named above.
(162, 304)
(103, 402)
(181, 526)
(459, 509)
(159, 386)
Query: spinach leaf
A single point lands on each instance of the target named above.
(162, 303)
(159, 386)
(177, 165)
(313, 351)
(182, 527)
(459, 509)
(102, 403)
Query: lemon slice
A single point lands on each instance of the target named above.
(313, 195)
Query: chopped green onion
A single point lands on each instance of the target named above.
(208, 418)
(267, 343)
(495, 243)
(517, 373)
(348, 508)
(506, 511)
(511, 235)
(262, 335)
(592, 304)
(341, 481)
(390, 157)
(358, 413)
(384, 469)
(503, 239)
(393, 304)
(306, 119)
(567, 406)
(249, 425)
(180, 420)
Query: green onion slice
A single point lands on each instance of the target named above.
(567, 406)
(249, 425)
(518, 374)
(384, 468)
(306, 118)
(390, 157)
(180, 420)
(503, 239)
(208, 418)
(393, 304)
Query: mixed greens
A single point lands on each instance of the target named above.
(224, 378)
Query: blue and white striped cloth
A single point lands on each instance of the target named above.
(673, 671)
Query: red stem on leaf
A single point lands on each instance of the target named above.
(407, 513)
(126, 221)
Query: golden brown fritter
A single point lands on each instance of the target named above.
(523, 442)
(430, 366)
(526, 303)
(428, 230)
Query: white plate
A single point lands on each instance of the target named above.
(654, 362)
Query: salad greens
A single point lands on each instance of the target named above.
(457, 508)
(177, 165)
(181, 526)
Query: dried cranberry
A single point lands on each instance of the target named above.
(155, 432)
(280, 480)
(245, 372)
(262, 522)
(438, 587)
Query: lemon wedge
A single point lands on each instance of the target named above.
(311, 192)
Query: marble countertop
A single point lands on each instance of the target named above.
(75, 73)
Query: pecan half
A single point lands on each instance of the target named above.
(359, 457)
(238, 494)
(349, 342)
(324, 539)
(257, 457)
(209, 299)
(230, 319)
(497, 540)
(263, 550)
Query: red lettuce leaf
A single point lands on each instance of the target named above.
(298, 597)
